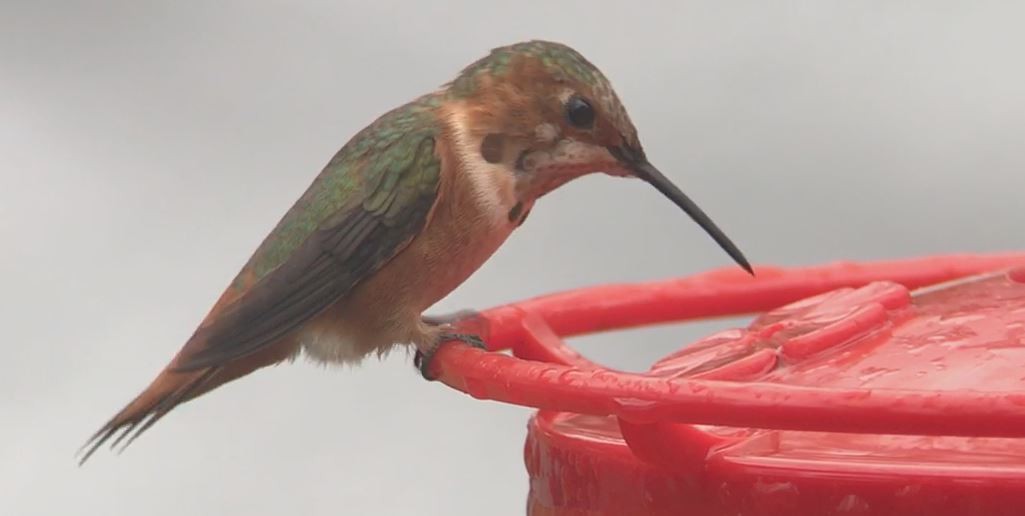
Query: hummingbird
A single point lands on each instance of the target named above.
(405, 212)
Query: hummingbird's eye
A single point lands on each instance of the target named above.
(579, 112)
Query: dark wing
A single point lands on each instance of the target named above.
(399, 188)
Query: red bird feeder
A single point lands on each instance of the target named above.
(857, 392)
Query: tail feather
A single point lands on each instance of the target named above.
(180, 396)
(172, 388)
(166, 392)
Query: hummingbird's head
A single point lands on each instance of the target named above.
(545, 113)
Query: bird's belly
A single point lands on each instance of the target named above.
(455, 246)
(451, 267)
(385, 309)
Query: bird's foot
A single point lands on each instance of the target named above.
(422, 360)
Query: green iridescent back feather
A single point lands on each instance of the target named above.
(382, 162)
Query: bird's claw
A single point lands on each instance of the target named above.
(466, 338)
(422, 360)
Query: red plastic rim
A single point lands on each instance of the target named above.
(547, 374)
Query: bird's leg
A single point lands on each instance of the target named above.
(436, 334)
(454, 317)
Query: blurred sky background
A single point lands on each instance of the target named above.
(147, 147)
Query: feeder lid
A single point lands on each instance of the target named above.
(965, 336)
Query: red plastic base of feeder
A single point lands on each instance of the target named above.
(869, 398)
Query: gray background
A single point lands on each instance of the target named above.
(146, 149)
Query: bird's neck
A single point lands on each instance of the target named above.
(488, 175)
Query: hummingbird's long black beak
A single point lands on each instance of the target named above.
(641, 168)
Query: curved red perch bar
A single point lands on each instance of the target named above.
(557, 378)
